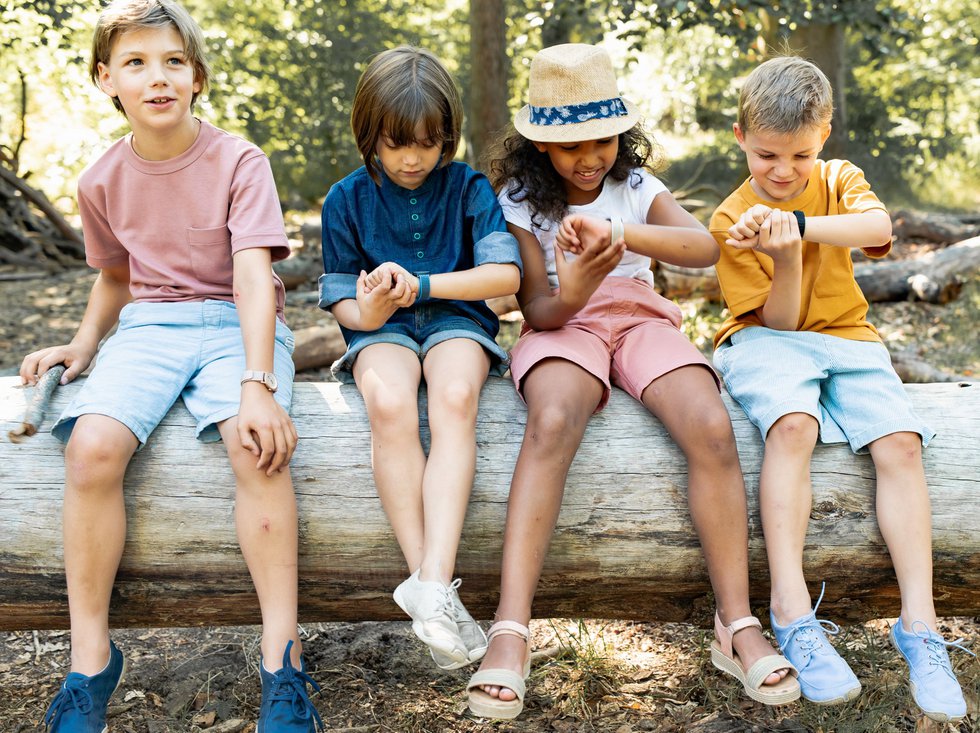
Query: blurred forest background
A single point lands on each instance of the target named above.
(906, 72)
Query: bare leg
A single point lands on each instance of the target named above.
(388, 377)
(905, 520)
(96, 457)
(560, 399)
(455, 371)
(265, 517)
(686, 401)
(785, 497)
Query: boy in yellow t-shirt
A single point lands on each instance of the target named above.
(800, 357)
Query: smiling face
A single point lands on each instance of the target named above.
(150, 75)
(780, 164)
(409, 165)
(582, 166)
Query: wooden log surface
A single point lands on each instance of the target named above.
(624, 547)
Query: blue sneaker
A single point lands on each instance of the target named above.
(286, 708)
(934, 686)
(80, 705)
(824, 676)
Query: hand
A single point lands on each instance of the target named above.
(265, 429)
(75, 358)
(579, 278)
(779, 237)
(578, 232)
(392, 274)
(376, 305)
(744, 233)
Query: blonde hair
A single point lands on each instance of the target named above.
(784, 95)
(401, 89)
(125, 16)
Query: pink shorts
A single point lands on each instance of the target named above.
(627, 335)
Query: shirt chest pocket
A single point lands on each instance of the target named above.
(210, 254)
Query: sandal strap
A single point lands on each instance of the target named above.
(725, 634)
(509, 628)
(764, 667)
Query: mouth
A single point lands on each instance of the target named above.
(160, 100)
(589, 175)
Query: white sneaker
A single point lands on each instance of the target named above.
(430, 604)
(470, 631)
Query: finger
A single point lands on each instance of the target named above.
(279, 453)
(362, 282)
(292, 440)
(765, 233)
(247, 441)
(559, 255)
(28, 368)
(267, 446)
(71, 371)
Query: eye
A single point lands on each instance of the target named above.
(604, 141)
(569, 148)
(134, 62)
(175, 61)
(766, 156)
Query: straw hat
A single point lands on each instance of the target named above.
(573, 96)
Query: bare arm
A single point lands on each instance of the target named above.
(779, 237)
(264, 427)
(378, 296)
(865, 230)
(489, 280)
(578, 279)
(109, 294)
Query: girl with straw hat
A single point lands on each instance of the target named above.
(576, 182)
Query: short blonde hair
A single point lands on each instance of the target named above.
(784, 95)
(124, 16)
(401, 89)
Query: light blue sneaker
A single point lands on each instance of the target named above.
(824, 676)
(80, 705)
(934, 686)
(286, 706)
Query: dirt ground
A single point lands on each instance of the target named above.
(604, 676)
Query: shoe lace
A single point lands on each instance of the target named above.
(937, 646)
(71, 696)
(290, 686)
(809, 634)
(448, 604)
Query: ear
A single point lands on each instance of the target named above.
(542, 148)
(105, 80)
(825, 135)
(739, 135)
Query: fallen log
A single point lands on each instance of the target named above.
(624, 547)
(934, 227)
(935, 277)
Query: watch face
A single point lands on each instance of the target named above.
(270, 381)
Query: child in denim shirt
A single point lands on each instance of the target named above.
(413, 244)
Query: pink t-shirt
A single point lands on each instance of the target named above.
(179, 221)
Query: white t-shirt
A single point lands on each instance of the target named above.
(618, 199)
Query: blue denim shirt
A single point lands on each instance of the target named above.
(451, 222)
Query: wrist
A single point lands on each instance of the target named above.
(424, 287)
(800, 221)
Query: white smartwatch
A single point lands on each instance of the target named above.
(268, 379)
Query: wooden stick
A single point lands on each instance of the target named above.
(34, 414)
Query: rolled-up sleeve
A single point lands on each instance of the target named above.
(343, 258)
(492, 243)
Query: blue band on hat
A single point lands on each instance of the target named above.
(571, 114)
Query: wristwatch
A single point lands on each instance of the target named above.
(268, 379)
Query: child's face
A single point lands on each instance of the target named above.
(582, 166)
(409, 165)
(151, 76)
(780, 164)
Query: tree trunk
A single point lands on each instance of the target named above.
(490, 64)
(935, 277)
(624, 546)
(825, 45)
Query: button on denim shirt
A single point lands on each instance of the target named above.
(451, 222)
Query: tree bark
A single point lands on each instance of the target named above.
(624, 546)
(935, 277)
(490, 64)
(825, 45)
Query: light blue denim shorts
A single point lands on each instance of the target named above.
(849, 386)
(162, 351)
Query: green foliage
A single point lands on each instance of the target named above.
(286, 73)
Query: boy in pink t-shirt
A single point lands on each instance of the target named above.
(183, 222)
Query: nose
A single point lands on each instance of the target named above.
(783, 168)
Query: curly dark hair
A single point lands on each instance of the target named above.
(514, 163)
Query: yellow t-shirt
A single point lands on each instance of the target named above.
(831, 301)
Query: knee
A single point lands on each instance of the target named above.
(898, 451)
(796, 432)
(93, 457)
(715, 439)
(550, 425)
(392, 411)
(457, 401)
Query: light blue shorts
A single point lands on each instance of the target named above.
(162, 351)
(849, 386)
